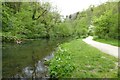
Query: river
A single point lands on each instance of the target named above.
(25, 60)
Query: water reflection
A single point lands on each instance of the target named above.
(26, 59)
(40, 70)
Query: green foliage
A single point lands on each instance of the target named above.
(89, 62)
(106, 24)
(80, 27)
(64, 29)
(61, 66)
(19, 22)
(74, 27)
(41, 20)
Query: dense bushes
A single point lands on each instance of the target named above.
(102, 18)
(63, 30)
(32, 20)
(106, 24)
(40, 20)
(61, 66)
(37, 20)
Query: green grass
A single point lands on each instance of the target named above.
(109, 41)
(89, 62)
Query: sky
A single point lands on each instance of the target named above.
(67, 7)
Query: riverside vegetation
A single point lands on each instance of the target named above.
(33, 20)
(76, 59)
(38, 20)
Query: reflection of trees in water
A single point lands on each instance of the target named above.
(38, 67)
(34, 60)
(24, 58)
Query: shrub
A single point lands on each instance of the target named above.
(60, 65)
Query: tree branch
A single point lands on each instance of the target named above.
(34, 13)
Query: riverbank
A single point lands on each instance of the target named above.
(83, 61)
(17, 57)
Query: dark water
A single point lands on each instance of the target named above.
(26, 59)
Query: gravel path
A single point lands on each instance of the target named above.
(106, 48)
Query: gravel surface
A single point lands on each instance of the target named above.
(106, 48)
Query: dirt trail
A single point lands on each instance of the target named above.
(106, 48)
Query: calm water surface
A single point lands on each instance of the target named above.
(21, 60)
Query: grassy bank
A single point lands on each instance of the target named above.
(78, 59)
(109, 41)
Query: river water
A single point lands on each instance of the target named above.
(26, 60)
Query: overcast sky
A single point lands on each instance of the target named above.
(67, 7)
